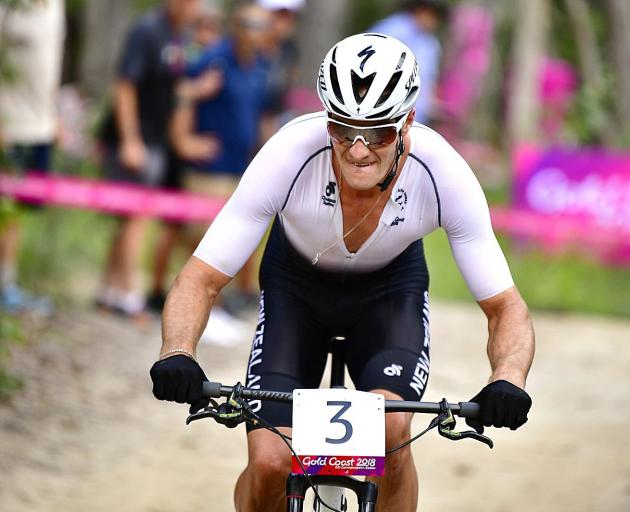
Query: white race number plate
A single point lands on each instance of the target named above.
(339, 432)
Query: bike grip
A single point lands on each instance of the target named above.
(469, 410)
(211, 390)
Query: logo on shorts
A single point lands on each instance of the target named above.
(329, 197)
(394, 370)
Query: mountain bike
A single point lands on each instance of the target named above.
(328, 474)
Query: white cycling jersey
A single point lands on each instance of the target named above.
(292, 177)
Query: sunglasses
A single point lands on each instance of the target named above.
(379, 135)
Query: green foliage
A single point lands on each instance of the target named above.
(591, 112)
(60, 246)
(568, 282)
(10, 332)
(143, 5)
(366, 13)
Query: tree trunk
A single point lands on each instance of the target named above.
(321, 27)
(106, 23)
(619, 22)
(530, 43)
(591, 69)
(590, 62)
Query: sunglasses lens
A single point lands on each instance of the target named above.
(378, 136)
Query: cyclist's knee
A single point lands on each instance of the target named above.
(269, 458)
(397, 429)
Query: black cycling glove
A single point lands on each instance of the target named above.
(502, 404)
(179, 379)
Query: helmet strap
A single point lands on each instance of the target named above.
(400, 149)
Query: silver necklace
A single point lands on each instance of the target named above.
(315, 259)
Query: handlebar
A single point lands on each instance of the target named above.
(463, 409)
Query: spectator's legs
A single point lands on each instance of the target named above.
(168, 239)
(13, 298)
(120, 275)
(9, 247)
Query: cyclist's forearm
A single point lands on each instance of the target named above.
(511, 339)
(188, 306)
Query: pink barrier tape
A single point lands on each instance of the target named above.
(115, 198)
(557, 233)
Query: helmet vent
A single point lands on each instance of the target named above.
(338, 111)
(389, 88)
(334, 56)
(361, 86)
(334, 80)
(381, 114)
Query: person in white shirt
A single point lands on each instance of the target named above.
(34, 36)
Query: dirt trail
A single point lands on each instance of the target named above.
(86, 435)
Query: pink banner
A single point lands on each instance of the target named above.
(116, 198)
(571, 197)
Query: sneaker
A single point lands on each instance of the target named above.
(224, 330)
(155, 302)
(15, 300)
(129, 304)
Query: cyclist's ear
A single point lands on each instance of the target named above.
(409, 121)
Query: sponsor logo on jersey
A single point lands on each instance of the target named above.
(400, 198)
(330, 194)
(395, 370)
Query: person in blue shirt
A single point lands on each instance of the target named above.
(217, 120)
(218, 133)
(416, 26)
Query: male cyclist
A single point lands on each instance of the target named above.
(351, 192)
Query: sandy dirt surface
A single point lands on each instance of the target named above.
(85, 434)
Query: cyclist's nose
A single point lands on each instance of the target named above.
(359, 150)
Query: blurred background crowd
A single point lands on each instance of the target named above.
(179, 95)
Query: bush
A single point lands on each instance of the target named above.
(10, 332)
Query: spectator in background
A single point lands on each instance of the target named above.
(416, 26)
(33, 36)
(205, 34)
(218, 135)
(282, 54)
(136, 134)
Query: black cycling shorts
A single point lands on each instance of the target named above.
(384, 316)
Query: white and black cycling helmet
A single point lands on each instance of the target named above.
(369, 77)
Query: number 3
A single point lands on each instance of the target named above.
(337, 419)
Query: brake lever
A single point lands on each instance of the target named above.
(206, 412)
(231, 413)
(446, 423)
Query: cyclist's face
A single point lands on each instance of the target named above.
(364, 166)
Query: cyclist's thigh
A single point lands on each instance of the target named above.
(389, 347)
(289, 351)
